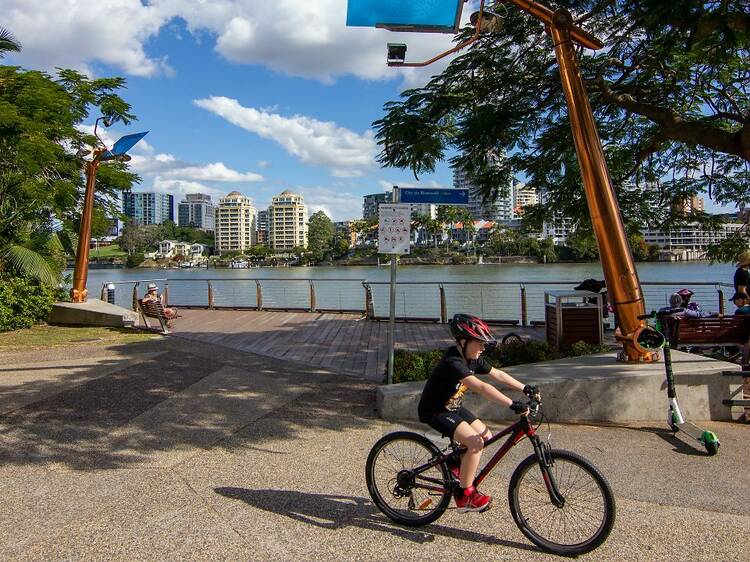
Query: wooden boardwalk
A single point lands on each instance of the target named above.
(345, 343)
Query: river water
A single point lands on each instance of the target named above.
(491, 290)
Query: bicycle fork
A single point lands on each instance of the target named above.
(544, 458)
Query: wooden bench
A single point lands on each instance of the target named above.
(154, 309)
(718, 331)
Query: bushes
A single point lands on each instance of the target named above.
(134, 260)
(24, 302)
(417, 365)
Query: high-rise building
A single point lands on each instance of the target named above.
(148, 207)
(263, 227)
(559, 228)
(690, 204)
(197, 211)
(235, 229)
(499, 210)
(287, 221)
(523, 196)
(372, 202)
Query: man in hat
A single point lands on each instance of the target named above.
(742, 275)
(742, 302)
(152, 294)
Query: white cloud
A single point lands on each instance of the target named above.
(216, 171)
(388, 185)
(339, 205)
(308, 39)
(264, 164)
(321, 143)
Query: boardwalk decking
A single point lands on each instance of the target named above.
(344, 343)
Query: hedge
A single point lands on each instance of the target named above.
(24, 302)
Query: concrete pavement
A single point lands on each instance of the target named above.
(179, 450)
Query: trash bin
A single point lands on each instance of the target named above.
(572, 316)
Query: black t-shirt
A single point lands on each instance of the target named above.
(741, 277)
(444, 388)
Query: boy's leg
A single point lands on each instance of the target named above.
(466, 435)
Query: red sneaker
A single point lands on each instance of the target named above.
(472, 500)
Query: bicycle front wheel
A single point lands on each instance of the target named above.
(583, 522)
(408, 496)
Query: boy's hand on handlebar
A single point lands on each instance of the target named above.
(532, 391)
(519, 407)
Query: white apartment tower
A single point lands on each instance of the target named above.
(523, 196)
(287, 221)
(499, 210)
(235, 223)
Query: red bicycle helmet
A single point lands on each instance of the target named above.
(466, 326)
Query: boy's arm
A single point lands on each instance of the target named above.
(503, 378)
(486, 390)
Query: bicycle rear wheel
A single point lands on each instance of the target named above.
(587, 516)
(395, 487)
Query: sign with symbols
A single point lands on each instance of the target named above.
(394, 228)
(434, 196)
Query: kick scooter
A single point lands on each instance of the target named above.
(660, 337)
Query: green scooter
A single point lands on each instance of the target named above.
(654, 338)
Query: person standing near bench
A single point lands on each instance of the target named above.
(742, 275)
(153, 296)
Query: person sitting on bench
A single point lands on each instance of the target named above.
(742, 302)
(153, 296)
(692, 309)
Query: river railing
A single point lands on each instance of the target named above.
(500, 302)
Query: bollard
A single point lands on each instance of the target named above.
(524, 312)
(258, 295)
(369, 307)
(312, 296)
(165, 295)
(135, 296)
(443, 306)
(111, 293)
(721, 302)
(210, 295)
(103, 296)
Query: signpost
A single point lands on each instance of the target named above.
(434, 196)
(394, 236)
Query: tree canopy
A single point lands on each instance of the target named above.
(320, 235)
(41, 174)
(669, 93)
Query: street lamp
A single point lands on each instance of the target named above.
(78, 292)
(617, 261)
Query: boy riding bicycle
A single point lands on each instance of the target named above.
(440, 405)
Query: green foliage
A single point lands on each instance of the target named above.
(134, 260)
(25, 302)
(319, 235)
(417, 365)
(669, 94)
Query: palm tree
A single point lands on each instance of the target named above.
(8, 43)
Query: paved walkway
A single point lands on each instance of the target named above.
(175, 450)
(346, 343)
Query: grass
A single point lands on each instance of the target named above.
(45, 336)
(111, 251)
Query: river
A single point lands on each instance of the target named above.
(497, 296)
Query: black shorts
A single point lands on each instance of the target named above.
(447, 422)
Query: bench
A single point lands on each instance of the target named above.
(154, 309)
(718, 331)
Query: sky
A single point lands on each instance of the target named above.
(239, 95)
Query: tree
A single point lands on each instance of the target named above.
(669, 93)
(319, 235)
(41, 176)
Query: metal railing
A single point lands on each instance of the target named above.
(503, 302)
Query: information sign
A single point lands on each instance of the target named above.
(435, 196)
(394, 228)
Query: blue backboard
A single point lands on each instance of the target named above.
(441, 16)
(434, 196)
(123, 145)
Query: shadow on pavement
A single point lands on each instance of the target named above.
(329, 511)
(692, 448)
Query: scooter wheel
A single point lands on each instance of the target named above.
(712, 448)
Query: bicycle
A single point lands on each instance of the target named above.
(568, 492)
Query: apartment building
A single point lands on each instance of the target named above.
(236, 220)
(197, 211)
(148, 207)
(287, 221)
(523, 196)
(372, 202)
(499, 210)
(263, 227)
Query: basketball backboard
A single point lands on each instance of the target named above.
(438, 16)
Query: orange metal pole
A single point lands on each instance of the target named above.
(79, 292)
(617, 261)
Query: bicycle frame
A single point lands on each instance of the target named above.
(516, 432)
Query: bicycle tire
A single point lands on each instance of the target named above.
(571, 488)
(511, 338)
(418, 507)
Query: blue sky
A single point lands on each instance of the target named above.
(237, 94)
(240, 95)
